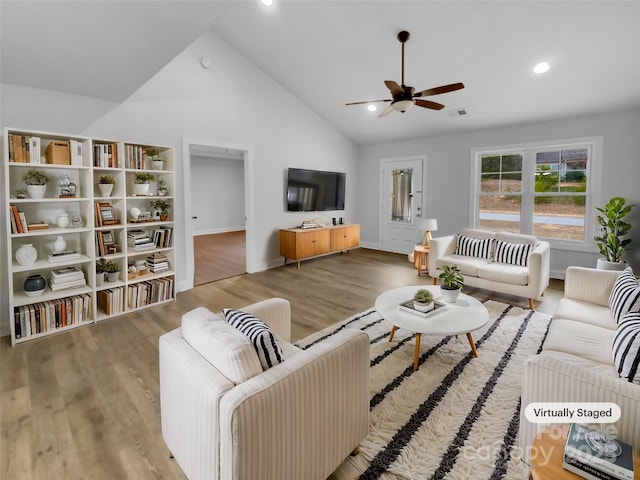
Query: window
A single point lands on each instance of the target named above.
(401, 195)
(541, 189)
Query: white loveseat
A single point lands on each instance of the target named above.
(296, 420)
(484, 269)
(576, 363)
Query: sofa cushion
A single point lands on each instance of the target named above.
(220, 344)
(626, 347)
(512, 253)
(625, 295)
(474, 247)
(586, 312)
(477, 233)
(467, 265)
(503, 273)
(580, 339)
(260, 335)
(519, 238)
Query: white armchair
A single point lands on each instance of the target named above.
(298, 419)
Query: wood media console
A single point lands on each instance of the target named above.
(299, 243)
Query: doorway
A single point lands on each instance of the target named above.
(401, 182)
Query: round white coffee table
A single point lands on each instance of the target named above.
(464, 316)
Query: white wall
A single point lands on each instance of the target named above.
(217, 192)
(448, 173)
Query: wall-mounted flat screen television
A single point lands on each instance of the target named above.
(314, 190)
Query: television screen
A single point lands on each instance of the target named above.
(314, 190)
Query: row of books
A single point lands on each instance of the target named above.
(19, 222)
(149, 292)
(594, 455)
(137, 157)
(157, 263)
(66, 278)
(23, 149)
(111, 300)
(46, 316)
(163, 236)
(105, 155)
(140, 241)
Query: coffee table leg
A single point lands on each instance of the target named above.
(416, 353)
(393, 330)
(473, 344)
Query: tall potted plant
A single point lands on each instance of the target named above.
(613, 228)
(452, 283)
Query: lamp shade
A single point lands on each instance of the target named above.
(428, 224)
(402, 105)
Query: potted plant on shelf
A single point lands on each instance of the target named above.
(452, 283)
(101, 270)
(162, 187)
(142, 181)
(21, 193)
(36, 183)
(612, 226)
(423, 300)
(162, 206)
(105, 184)
(156, 160)
(112, 271)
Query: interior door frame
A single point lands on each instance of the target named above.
(249, 202)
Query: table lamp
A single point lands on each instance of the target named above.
(428, 225)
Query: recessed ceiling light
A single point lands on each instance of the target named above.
(541, 67)
(372, 108)
(267, 3)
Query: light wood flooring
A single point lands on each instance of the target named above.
(218, 256)
(85, 403)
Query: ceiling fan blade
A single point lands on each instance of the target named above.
(429, 104)
(386, 111)
(393, 87)
(368, 101)
(438, 90)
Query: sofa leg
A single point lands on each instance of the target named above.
(435, 281)
(531, 303)
(355, 451)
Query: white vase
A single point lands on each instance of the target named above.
(36, 191)
(423, 307)
(158, 164)
(450, 296)
(105, 189)
(26, 254)
(99, 279)
(63, 220)
(141, 188)
(60, 244)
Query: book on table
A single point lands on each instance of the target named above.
(595, 455)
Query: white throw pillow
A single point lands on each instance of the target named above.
(474, 247)
(626, 347)
(625, 295)
(512, 253)
(258, 332)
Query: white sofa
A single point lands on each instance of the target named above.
(298, 419)
(576, 362)
(529, 281)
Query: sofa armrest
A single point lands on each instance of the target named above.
(589, 284)
(539, 265)
(547, 378)
(439, 247)
(276, 424)
(275, 312)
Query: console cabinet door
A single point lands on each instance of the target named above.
(352, 236)
(310, 244)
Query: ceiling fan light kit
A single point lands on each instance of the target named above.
(403, 97)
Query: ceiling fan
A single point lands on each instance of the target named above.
(404, 96)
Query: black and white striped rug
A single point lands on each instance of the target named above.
(457, 416)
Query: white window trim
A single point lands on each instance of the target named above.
(594, 185)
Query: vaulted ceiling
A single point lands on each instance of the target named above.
(327, 53)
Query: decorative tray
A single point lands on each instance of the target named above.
(407, 306)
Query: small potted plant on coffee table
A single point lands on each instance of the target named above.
(452, 283)
(423, 300)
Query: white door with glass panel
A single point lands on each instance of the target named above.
(401, 203)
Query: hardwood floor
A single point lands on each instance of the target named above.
(218, 256)
(85, 403)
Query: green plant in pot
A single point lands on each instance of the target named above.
(112, 271)
(36, 183)
(162, 206)
(452, 283)
(613, 228)
(105, 184)
(141, 182)
(101, 270)
(423, 300)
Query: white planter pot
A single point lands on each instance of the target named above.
(450, 296)
(141, 188)
(105, 189)
(603, 264)
(112, 276)
(99, 279)
(36, 191)
(158, 164)
(423, 307)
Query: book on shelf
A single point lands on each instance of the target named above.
(75, 148)
(66, 274)
(55, 287)
(64, 256)
(38, 226)
(23, 222)
(16, 224)
(597, 454)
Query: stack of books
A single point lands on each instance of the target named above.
(139, 240)
(66, 278)
(62, 257)
(157, 262)
(597, 456)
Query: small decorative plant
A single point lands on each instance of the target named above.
(152, 152)
(451, 277)
(21, 193)
(112, 267)
(34, 177)
(144, 177)
(161, 205)
(106, 180)
(101, 266)
(423, 296)
(610, 243)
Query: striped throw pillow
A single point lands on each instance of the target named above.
(512, 253)
(474, 247)
(262, 338)
(625, 295)
(626, 347)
